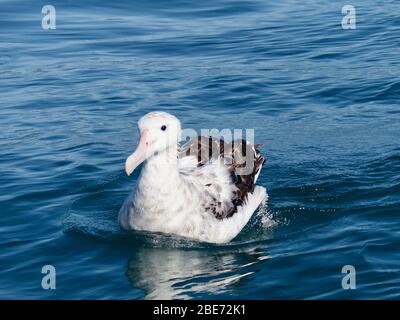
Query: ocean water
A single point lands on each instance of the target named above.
(323, 101)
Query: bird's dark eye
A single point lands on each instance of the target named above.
(164, 127)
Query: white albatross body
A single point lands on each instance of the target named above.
(176, 194)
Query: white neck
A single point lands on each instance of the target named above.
(158, 183)
(160, 172)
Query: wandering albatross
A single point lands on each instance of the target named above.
(199, 190)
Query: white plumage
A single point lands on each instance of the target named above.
(181, 194)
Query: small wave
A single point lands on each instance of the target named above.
(382, 257)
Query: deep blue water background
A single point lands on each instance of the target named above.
(324, 102)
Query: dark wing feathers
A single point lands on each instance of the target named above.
(236, 155)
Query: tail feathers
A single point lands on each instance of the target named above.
(230, 228)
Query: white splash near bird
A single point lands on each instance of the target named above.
(196, 190)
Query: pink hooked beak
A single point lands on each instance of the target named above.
(139, 155)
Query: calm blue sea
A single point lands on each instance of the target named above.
(323, 101)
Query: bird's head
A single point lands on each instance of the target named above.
(158, 132)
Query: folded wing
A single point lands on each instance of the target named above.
(224, 173)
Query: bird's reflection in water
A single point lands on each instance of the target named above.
(179, 274)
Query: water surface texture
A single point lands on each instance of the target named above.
(323, 101)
